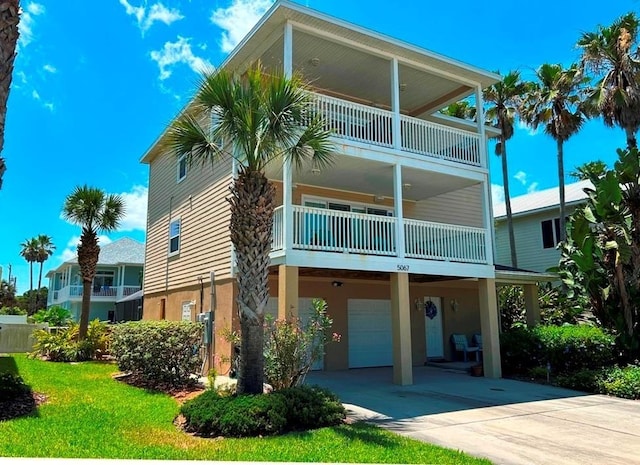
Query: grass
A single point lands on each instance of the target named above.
(89, 415)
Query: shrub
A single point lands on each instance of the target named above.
(63, 345)
(158, 354)
(53, 316)
(298, 408)
(616, 381)
(567, 348)
(291, 348)
(12, 386)
(12, 311)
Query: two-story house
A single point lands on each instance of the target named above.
(536, 226)
(118, 276)
(402, 218)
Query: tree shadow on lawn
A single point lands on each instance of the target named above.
(359, 431)
(23, 401)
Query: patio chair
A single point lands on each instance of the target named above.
(460, 344)
(476, 340)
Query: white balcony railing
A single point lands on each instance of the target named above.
(325, 230)
(354, 121)
(372, 125)
(449, 242)
(109, 292)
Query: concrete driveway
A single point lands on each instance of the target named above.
(509, 422)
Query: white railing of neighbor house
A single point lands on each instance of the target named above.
(101, 291)
(354, 121)
(338, 231)
(436, 140)
(449, 242)
(128, 290)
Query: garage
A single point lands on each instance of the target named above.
(370, 337)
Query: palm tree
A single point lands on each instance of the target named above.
(611, 54)
(264, 118)
(29, 252)
(504, 99)
(9, 18)
(45, 250)
(95, 212)
(462, 109)
(555, 102)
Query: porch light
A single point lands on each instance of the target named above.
(403, 87)
(315, 171)
(337, 283)
(406, 186)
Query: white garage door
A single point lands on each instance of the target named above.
(370, 343)
(305, 311)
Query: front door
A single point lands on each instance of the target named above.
(433, 328)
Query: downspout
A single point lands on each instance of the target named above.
(166, 271)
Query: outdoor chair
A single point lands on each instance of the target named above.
(460, 344)
(476, 340)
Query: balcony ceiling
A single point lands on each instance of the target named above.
(365, 176)
(352, 74)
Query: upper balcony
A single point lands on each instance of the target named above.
(98, 293)
(369, 125)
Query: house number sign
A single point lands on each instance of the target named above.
(403, 267)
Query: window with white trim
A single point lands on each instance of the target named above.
(181, 168)
(341, 205)
(174, 236)
(550, 233)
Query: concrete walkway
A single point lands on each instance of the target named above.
(509, 422)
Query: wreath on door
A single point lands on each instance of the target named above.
(430, 310)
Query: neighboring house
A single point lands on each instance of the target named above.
(536, 226)
(118, 275)
(401, 219)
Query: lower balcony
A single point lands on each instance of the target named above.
(104, 293)
(323, 230)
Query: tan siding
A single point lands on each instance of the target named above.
(200, 202)
(463, 207)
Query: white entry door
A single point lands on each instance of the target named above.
(370, 337)
(433, 326)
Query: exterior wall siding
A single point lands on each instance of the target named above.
(200, 202)
(528, 233)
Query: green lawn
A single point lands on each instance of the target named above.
(88, 414)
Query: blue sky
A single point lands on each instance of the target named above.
(95, 82)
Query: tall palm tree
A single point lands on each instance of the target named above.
(611, 54)
(95, 212)
(462, 109)
(504, 99)
(555, 102)
(263, 118)
(9, 18)
(29, 252)
(45, 250)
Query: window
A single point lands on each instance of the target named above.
(182, 168)
(174, 237)
(550, 233)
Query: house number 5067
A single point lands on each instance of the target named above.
(403, 267)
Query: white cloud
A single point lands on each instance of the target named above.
(497, 194)
(525, 127)
(22, 76)
(237, 20)
(27, 21)
(522, 177)
(174, 53)
(156, 13)
(50, 68)
(533, 187)
(35, 94)
(49, 106)
(135, 202)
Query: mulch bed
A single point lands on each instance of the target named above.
(181, 395)
(21, 406)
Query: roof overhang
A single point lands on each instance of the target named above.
(524, 277)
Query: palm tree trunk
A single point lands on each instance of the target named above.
(9, 17)
(252, 204)
(632, 142)
(507, 201)
(563, 232)
(88, 253)
(39, 285)
(31, 287)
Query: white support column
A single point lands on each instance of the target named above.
(487, 220)
(489, 328)
(287, 169)
(395, 104)
(531, 304)
(401, 329)
(397, 204)
(481, 128)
